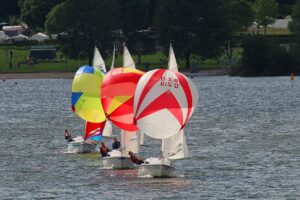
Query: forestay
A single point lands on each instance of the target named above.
(164, 101)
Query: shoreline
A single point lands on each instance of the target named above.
(70, 75)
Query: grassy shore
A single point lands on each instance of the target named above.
(19, 62)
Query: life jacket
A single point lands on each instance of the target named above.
(103, 149)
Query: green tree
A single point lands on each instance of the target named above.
(294, 25)
(134, 21)
(84, 25)
(34, 12)
(266, 11)
(195, 27)
(240, 16)
(8, 9)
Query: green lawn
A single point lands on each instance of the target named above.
(21, 54)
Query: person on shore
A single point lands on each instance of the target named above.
(68, 136)
(104, 150)
(135, 159)
(116, 144)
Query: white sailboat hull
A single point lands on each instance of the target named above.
(81, 147)
(156, 167)
(116, 160)
(118, 163)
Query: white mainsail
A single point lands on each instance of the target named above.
(172, 64)
(127, 59)
(130, 141)
(98, 61)
(107, 131)
(174, 147)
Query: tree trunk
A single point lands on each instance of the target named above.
(265, 30)
(90, 56)
(187, 59)
(139, 57)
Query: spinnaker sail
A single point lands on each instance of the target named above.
(164, 101)
(93, 131)
(86, 88)
(117, 93)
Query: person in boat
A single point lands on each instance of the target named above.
(135, 159)
(116, 144)
(68, 136)
(104, 150)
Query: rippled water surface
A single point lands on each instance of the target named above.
(244, 143)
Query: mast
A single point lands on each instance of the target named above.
(113, 58)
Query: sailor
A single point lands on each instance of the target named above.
(68, 136)
(135, 159)
(116, 144)
(104, 150)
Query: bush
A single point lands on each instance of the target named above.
(263, 57)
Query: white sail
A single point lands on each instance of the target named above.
(107, 131)
(127, 59)
(113, 58)
(142, 138)
(175, 147)
(98, 61)
(130, 141)
(172, 64)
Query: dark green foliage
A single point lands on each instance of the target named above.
(8, 8)
(34, 12)
(84, 25)
(266, 11)
(294, 25)
(135, 20)
(201, 28)
(263, 57)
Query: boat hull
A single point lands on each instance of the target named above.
(156, 167)
(160, 171)
(80, 147)
(118, 162)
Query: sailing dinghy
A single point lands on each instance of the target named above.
(87, 105)
(164, 101)
(117, 93)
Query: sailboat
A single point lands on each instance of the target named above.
(164, 101)
(117, 99)
(86, 101)
(87, 105)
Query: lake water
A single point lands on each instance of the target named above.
(244, 143)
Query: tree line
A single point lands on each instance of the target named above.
(198, 29)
